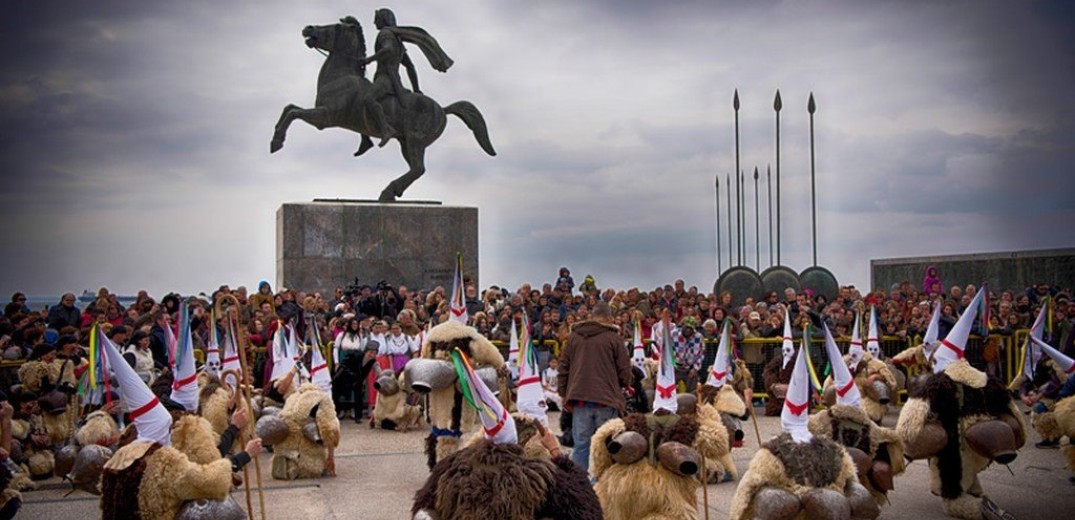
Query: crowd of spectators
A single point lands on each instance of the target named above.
(551, 308)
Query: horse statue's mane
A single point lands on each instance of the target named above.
(360, 51)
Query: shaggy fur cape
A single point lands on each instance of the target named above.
(149, 481)
(879, 443)
(649, 491)
(98, 428)
(713, 402)
(958, 397)
(448, 415)
(795, 467)
(1065, 419)
(486, 480)
(297, 456)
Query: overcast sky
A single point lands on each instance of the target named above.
(134, 135)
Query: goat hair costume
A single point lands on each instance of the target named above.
(949, 404)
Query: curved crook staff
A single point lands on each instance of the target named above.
(248, 431)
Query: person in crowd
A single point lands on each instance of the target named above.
(594, 368)
(65, 314)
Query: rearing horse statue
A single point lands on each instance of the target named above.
(346, 99)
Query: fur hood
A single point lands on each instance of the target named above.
(194, 437)
(438, 341)
(591, 328)
(300, 406)
(99, 428)
(962, 372)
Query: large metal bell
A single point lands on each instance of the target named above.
(65, 460)
(426, 375)
(679, 458)
(826, 504)
(878, 391)
(863, 506)
(775, 504)
(489, 377)
(628, 447)
(929, 441)
(271, 429)
(86, 473)
(227, 509)
(993, 439)
(311, 432)
(386, 383)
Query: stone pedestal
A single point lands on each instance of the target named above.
(322, 245)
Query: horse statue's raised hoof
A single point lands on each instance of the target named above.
(276, 145)
(364, 146)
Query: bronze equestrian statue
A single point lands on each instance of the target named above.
(381, 108)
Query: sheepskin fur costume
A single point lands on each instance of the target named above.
(713, 404)
(1065, 419)
(298, 456)
(448, 415)
(37, 459)
(214, 399)
(794, 467)
(958, 398)
(391, 412)
(1045, 423)
(148, 481)
(36, 375)
(868, 367)
(646, 490)
(486, 480)
(194, 436)
(743, 379)
(98, 428)
(856, 430)
(914, 356)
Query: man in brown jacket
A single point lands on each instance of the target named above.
(594, 368)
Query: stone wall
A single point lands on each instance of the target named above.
(321, 245)
(1010, 270)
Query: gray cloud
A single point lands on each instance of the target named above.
(134, 136)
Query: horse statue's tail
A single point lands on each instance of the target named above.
(470, 115)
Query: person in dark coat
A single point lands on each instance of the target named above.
(65, 314)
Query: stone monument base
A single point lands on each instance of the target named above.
(324, 244)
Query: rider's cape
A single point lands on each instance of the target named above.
(438, 59)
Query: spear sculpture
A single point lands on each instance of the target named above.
(811, 107)
(777, 105)
(717, 187)
(738, 221)
(757, 225)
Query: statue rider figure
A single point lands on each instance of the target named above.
(390, 53)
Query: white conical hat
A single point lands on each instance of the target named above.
(282, 361)
(794, 416)
(953, 347)
(718, 374)
(933, 331)
(185, 386)
(458, 303)
(212, 349)
(638, 354)
(153, 422)
(1067, 365)
(531, 397)
(665, 390)
(513, 351)
(873, 340)
(787, 348)
(847, 392)
(230, 360)
(855, 352)
(318, 366)
(1033, 351)
(497, 424)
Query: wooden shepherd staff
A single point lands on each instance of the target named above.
(240, 343)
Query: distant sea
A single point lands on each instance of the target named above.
(36, 303)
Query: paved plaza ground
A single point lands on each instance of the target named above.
(378, 473)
